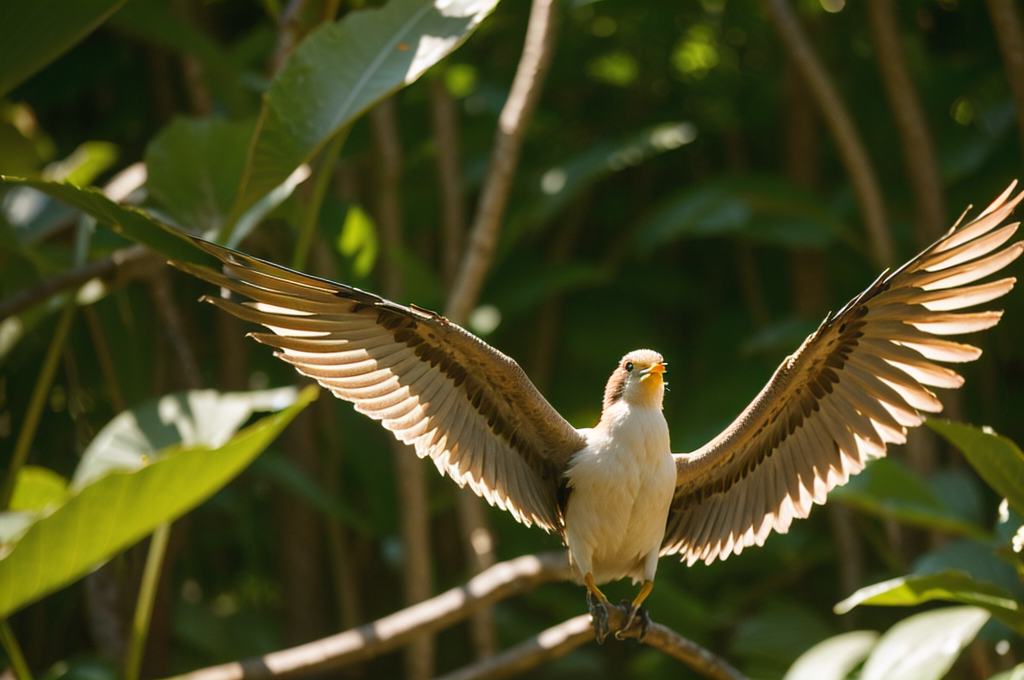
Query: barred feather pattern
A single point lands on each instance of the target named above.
(852, 388)
(455, 399)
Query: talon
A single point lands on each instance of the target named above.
(598, 617)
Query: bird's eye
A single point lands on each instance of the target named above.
(629, 366)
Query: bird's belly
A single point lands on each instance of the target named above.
(616, 516)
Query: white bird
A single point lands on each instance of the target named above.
(615, 493)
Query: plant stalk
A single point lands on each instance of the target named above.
(36, 404)
(311, 214)
(13, 650)
(144, 605)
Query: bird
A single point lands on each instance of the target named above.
(615, 493)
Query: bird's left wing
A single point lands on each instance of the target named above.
(453, 397)
(854, 386)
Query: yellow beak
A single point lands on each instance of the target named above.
(656, 369)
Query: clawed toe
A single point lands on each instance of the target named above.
(635, 615)
(598, 617)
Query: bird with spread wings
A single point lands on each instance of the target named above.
(615, 493)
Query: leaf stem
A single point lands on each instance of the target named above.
(13, 649)
(144, 605)
(311, 214)
(36, 403)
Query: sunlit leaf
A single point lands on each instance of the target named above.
(834, 658)
(126, 487)
(83, 165)
(924, 646)
(127, 221)
(949, 586)
(37, 487)
(342, 69)
(998, 460)
(32, 34)
(358, 241)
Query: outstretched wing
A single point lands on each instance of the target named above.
(456, 399)
(854, 386)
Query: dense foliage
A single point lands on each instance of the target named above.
(676, 190)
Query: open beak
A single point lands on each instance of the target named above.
(656, 369)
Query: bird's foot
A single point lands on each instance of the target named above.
(635, 615)
(598, 616)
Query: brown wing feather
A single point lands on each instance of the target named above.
(454, 398)
(854, 386)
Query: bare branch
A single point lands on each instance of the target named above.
(170, 316)
(410, 471)
(515, 116)
(1010, 34)
(551, 644)
(675, 645)
(501, 581)
(851, 149)
(444, 119)
(918, 148)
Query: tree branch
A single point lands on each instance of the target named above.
(1010, 35)
(918, 148)
(501, 581)
(508, 141)
(553, 643)
(409, 469)
(851, 149)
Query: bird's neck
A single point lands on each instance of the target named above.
(623, 416)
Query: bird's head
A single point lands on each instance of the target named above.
(638, 380)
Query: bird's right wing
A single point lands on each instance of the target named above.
(453, 397)
(854, 386)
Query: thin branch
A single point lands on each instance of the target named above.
(553, 643)
(515, 116)
(918, 148)
(501, 581)
(409, 469)
(1010, 35)
(144, 604)
(121, 262)
(174, 327)
(851, 148)
(14, 653)
(444, 119)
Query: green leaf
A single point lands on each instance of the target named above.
(1015, 673)
(342, 69)
(35, 32)
(888, 489)
(85, 164)
(358, 240)
(129, 222)
(36, 488)
(924, 646)
(997, 459)
(195, 167)
(834, 658)
(764, 209)
(124, 488)
(948, 586)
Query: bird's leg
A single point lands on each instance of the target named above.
(598, 605)
(635, 609)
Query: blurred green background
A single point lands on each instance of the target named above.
(676, 190)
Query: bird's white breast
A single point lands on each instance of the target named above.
(622, 484)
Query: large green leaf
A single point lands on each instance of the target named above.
(924, 646)
(35, 32)
(997, 459)
(834, 658)
(148, 466)
(765, 209)
(195, 166)
(949, 586)
(887, 489)
(127, 221)
(342, 69)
